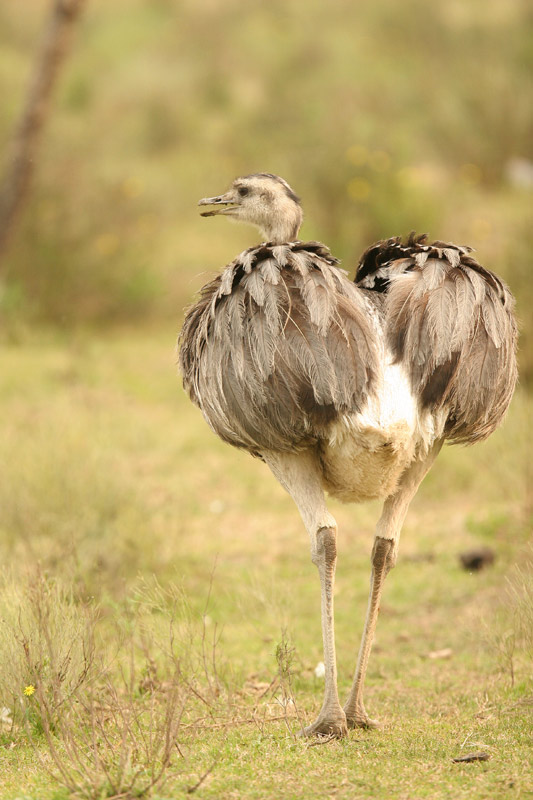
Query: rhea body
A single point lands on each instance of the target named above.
(346, 387)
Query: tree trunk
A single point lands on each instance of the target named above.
(21, 163)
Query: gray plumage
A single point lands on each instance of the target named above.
(281, 342)
(278, 345)
(450, 321)
(348, 387)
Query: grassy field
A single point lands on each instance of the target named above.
(109, 476)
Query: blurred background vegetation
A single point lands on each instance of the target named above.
(385, 117)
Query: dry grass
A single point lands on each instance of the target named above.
(148, 489)
(46, 649)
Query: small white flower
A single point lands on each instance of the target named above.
(320, 670)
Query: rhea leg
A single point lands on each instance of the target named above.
(299, 474)
(384, 555)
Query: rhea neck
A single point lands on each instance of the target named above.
(282, 222)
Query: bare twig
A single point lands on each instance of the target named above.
(285, 654)
(105, 737)
(192, 789)
(330, 737)
(24, 146)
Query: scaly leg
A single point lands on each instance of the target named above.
(299, 474)
(384, 554)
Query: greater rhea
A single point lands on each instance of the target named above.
(345, 387)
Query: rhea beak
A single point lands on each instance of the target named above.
(226, 203)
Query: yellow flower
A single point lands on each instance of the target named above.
(29, 690)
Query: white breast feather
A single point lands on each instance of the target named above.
(391, 415)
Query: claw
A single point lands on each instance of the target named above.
(363, 722)
(334, 728)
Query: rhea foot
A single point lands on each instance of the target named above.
(327, 724)
(360, 719)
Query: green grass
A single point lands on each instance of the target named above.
(110, 476)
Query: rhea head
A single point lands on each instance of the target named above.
(263, 200)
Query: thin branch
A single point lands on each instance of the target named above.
(23, 156)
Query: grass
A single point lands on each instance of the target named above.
(110, 476)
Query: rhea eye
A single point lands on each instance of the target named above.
(243, 191)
